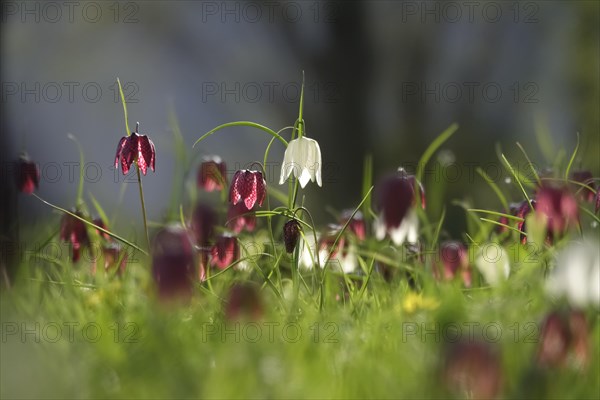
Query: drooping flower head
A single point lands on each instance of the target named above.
(244, 302)
(212, 174)
(452, 260)
(249, 187)
(115, 258)
(303, 158)
(74, 231)
(343, 254)
(239, 218)
(225, 251)
(27, 175)
(135, 148)
(473, 369)
(559, 208)
(100, 222)
(291, 234)
(173, 262)
(204, 220)
(396, 196)
(564, 340)
(356, 225)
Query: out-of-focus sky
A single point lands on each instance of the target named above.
(382, 77)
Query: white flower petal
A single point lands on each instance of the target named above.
(379, 227)
(304, 178)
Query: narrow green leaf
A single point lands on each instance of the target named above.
(445, 135)
(242, 123)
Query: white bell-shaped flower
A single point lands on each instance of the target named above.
(577, 274)
(493, 263)
(303, 158)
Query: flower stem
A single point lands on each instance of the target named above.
(143, 207)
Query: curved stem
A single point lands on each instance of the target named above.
(242, 123)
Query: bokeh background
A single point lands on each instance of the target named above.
(382, 78)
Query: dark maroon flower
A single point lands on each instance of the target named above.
(27, 175)
(244, 302)
(74, 231)
(99, 222)
(291, 234)
(586, 178)
(559, 206)
(356, 225)
(212, 174)
(204, 220)
(239, 218)
(225, 252)
(473, 370)
(554, 341)
(249, 187)
(173, 263)
(135, 148)
(564, 340)
(452, 259)
(396, 197)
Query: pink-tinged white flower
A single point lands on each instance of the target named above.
(303, 158)
(396, 197)
(453, 260)
(135, 148)
(493, 263)
(173, 263)
(356, 225)
(212, 174)
(239, 218)
(225, 252)
(27, 175)
(577, 275)
(73, 230)
(343, 254)
(248, 187)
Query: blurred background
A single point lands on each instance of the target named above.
(382, 78)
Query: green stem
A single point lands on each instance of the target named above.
(143, 207)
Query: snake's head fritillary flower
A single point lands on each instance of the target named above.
(225, 251)
(27, 175)
(291, 234)
(452, 260)
(239, 218)
(135, 148)
(100, 222)
(356, 225)
(576, 276)
(74, 231)
(115, 258)
(585, 177)
(473, 369)
(212, 174)
(492, 261)
(558, 207)
(522, 210)
(244, 302)
(248, 187)
(396, 196)
(343, 254)
(303, 158)
(204, 220)
(564, 340)
(173, 263)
